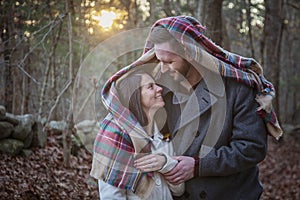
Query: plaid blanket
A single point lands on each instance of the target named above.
(114, 153)
(190, 33)
(119, 141)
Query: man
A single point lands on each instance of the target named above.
(212, 117)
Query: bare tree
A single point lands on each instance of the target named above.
(50, 69)
(167, 8)
(249, 20)
(6, 39)
(200, 10)
(152, 10)
(25, 91)
(289, 99)
(273, 34)
(67, 139)
(213, 16)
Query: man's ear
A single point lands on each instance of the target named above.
(187, 56)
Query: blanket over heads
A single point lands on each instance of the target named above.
(202, 52)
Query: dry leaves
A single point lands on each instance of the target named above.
(280, 171)
(42, 176)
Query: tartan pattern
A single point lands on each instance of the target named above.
(115, 152)
(114, 147)
(190, 33)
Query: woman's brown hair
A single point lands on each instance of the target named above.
(129, 90)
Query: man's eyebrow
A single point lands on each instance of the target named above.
(150, 83)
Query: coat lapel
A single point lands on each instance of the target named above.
(200, 101)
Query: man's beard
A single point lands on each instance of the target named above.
(168, 81)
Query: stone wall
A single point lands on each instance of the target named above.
(19, 133)
(86, 131)
(83, 136)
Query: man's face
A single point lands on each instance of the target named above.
(170, 62)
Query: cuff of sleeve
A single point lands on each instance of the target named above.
(170, 164)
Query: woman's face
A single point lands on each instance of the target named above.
(151, 98)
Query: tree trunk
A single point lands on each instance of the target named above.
(249, 20)
(199, 11)
(6, 37)
(289, 99)
(167, 8)
(43, 90)
(152, 10)
(25, 84)
(273, 33)
(67, 135)
(55, 36)
(203, 11)
(213, 20)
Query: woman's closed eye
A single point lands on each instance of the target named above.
(151, 86)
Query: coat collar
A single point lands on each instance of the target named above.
(204, 96)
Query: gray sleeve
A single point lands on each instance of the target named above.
(247, 145)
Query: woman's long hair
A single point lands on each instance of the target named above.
(129, 90)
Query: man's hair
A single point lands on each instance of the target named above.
(160, 35)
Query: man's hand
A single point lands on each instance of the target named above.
(182, 172)
(150, 162)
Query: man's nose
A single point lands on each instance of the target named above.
(158, 88)
(163, 68)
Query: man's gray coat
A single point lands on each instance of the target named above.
(219, 123)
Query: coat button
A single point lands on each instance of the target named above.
(202, 195)
(157, 181)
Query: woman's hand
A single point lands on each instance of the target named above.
(182, 172)
(150, 162)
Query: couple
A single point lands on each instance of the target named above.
(218, 114)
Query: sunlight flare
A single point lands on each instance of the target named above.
(106, 19)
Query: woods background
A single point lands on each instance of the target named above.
(43, 44)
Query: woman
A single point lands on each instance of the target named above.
(130, 154)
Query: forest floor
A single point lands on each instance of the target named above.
(42, 175)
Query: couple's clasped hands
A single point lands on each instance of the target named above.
(182, 172)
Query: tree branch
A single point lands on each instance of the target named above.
(57, 100)
(20, 65)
